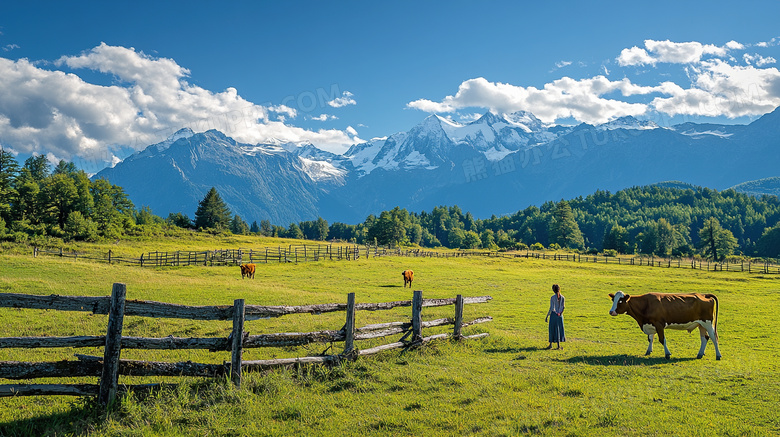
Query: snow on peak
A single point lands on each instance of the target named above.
(525, 120)
(629, 123)
(320, 171)
(179, 134)
(490, 119)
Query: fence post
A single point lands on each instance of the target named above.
(458, 316)
(109, 379)
(238, 342)
(349, 326)
(109, 256)
(417, 301)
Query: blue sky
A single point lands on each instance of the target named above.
(91, 82)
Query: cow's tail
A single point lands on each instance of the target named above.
(715, 322)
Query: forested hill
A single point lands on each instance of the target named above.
(649, 213)
(661, 219)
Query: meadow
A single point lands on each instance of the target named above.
(507, 384)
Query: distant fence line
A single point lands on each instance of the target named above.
(750, 266)
(110, 366)
(280, 254)
(320, 252)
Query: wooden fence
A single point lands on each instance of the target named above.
(280, 254)
(309, 253)
(110, 366)
(750, 266)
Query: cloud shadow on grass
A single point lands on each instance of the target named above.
(622, 360)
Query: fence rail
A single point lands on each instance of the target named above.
(750, 266)
(312, 253)
(110, 366)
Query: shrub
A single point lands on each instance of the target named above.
(537, 246)
(610, 252)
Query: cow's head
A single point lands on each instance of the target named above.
(619, 303)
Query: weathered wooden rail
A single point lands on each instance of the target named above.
(110, 366)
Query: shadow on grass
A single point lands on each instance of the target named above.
(513, 350)
(82, 419)
(390, 286)
(622, 360)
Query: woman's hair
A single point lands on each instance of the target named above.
(556, 288)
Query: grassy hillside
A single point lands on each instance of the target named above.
(599, 384)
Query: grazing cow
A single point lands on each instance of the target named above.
(658, 311)
(247, 270)
(408, 276)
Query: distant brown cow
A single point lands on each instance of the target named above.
(247, 270)
(408, 276)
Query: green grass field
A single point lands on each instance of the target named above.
(599, 384)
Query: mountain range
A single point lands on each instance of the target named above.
(495, 165)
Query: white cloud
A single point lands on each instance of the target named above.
(351, 130)
(717, 88)
(345, 100)
(721, 89)
(635, 56)
(565, 97)
(758, 60)
(60, 113)
(561, 64)
(9, 47)
(324, 117)
(673, 52)
(733, 45)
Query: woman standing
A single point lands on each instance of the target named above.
(555, 314)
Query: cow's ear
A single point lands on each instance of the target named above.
(626, 296)
(611, 295)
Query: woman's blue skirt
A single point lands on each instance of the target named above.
(556, 329)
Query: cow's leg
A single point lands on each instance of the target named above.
(714, 336)
(662, 338)
(649, 330)
(704, 338)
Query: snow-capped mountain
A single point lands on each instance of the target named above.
(496, 164)
(430, 144)
(256, 181)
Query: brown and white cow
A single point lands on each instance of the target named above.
(655, 312)
(408, 276)
(247, 270)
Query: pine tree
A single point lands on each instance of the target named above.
(715, 242)
(617, 239)
(238, 226)
(266, 229)
(39, 167)
(769, 243)
(9, 169)
(563, 228)
(212, 212)
(321, 229)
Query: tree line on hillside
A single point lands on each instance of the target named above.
(38, 201)
(650, 220)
